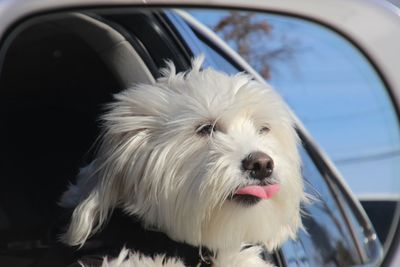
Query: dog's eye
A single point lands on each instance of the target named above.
(264, 130)
(205, 129)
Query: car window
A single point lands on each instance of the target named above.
(215, 59)
(326, 239)
(199, 45)
(40, 100)
(335, 91)
(330, 238)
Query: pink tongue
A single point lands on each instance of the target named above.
(264, 192)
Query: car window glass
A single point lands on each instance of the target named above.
(336, 93)
(216, 60)
(326, 239)
(199, 45)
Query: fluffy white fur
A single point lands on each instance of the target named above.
(151, 163)
(129, 259)
(245, 258)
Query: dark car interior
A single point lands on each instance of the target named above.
(55, 78)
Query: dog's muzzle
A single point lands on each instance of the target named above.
(260, 167)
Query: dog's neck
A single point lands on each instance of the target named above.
(126, 231)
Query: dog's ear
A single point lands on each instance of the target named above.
(101, 184)
(91, 201)
(85, 219)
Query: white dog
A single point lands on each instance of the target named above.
(209, 159)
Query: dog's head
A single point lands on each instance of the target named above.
(209, 159)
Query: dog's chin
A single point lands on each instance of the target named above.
(249, 219)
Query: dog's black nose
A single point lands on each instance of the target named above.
(259, 164)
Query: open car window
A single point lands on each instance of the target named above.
(54, 82)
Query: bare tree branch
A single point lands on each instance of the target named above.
(247, 33)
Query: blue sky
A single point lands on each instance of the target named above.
(340, 99)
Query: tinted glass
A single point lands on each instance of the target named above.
(326, 240)
(215, 59)
(334, 90)
(199, 45)
(330, 234)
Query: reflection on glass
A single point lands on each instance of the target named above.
(335, 92)
(326, 240)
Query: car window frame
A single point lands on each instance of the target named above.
(331, 180)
